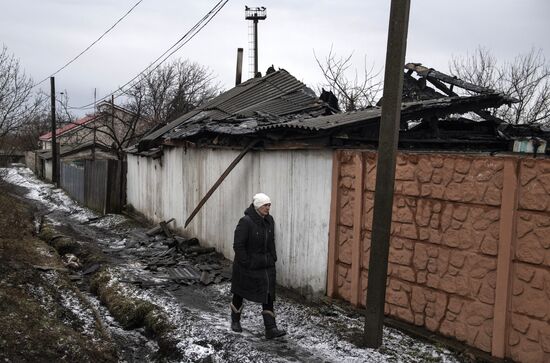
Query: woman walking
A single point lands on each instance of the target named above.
(254, 266)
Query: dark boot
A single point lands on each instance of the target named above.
(236, 318)
(271, 330)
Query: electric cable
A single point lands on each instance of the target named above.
(190, 34)
(91, 45)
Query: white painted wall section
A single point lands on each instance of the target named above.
(48, 169)
(298, 182)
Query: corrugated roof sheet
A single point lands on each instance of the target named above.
(410, 110)
(280, 101)
(276, 94)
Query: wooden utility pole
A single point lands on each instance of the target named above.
(385, 172)
(55, 173)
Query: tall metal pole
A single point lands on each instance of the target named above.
(255, 47)
(385, 172)
(255, 14)
(55, 174)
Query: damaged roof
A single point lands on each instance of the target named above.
(235, 111)
(280, 107)
(409, 111)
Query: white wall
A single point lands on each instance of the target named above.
(48, 169)
(298, 182)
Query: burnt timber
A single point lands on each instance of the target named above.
(283, 113)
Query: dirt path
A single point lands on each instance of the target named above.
(199, 314)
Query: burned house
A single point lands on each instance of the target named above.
(173, 168)
(461, 196)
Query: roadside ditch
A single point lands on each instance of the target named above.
(169, 261)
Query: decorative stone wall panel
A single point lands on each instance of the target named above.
(466, 179)
(535, 185)
(529, 337)
(346, 187)
(463, 226)
(344, 282)
(444, 246)
(345, 236)
(533, 238)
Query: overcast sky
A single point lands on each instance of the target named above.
(44, 35)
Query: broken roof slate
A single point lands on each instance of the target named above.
(279, 101)
(295, 102)
(276, 94)
(272, 86)
(409, 111)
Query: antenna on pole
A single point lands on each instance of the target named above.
(254, 14)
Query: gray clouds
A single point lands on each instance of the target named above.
(46, 34)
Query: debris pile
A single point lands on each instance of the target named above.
(174, 259)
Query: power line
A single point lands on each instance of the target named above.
(195, 29)
(190, 34)
(91, 45)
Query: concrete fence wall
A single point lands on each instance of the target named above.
(32, 161)
(529, 330)
(97, 184)
(298, 182)
(73, 181)
(470, 246)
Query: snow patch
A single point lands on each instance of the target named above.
(47, 194)
(200, 315)
(109, 221)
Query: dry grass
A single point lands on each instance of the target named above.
(35, 325)
(133, 312)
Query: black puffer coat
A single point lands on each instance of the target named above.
(255, 256)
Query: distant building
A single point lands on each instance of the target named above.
(111, 125)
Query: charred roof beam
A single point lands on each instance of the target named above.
(437, 78)
(449, 92)
(430, 72)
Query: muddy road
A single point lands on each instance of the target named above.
(186, 287)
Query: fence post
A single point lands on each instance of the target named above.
(507, 241)
(332, 279)
(107, 187)
(356, 252)
(87, 173)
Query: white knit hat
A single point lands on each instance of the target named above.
(260, 199)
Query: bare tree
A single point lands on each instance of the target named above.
(120, 127)
(172, 90)
(355, 92)
(63, 114)
(526, 78)
(29, 132)
(37, 123)
(17, 100)
(111, 125)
